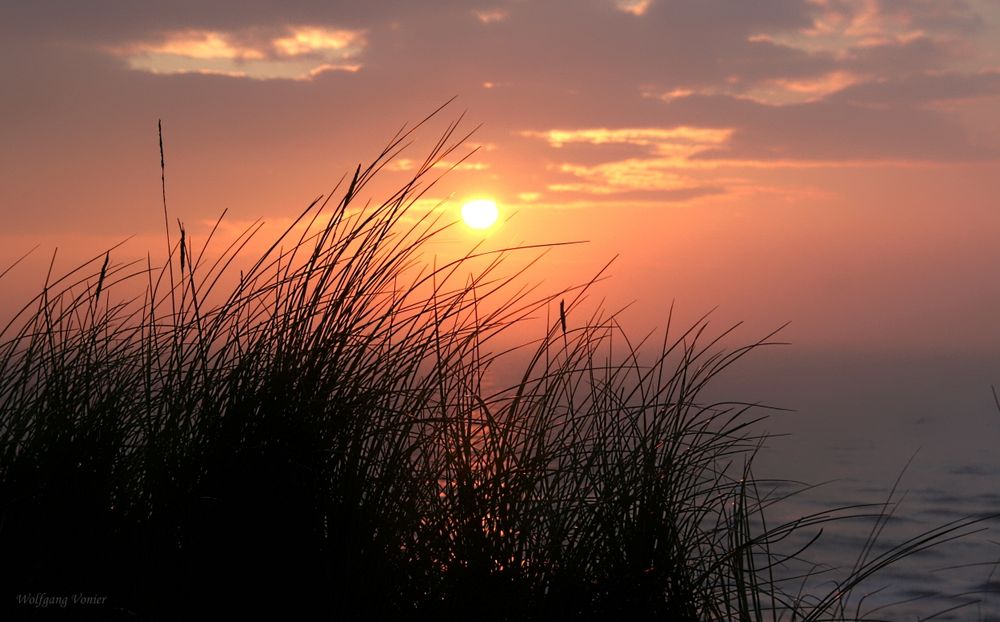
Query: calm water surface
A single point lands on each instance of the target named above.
(859, 420)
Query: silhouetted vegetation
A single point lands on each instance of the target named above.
(318, 436)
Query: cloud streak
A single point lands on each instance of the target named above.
(297, 53)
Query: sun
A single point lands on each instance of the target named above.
(480, 214)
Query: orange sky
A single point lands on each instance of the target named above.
(832, 163)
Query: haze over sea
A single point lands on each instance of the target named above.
(860, 420)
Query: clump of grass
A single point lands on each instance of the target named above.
(319, 437)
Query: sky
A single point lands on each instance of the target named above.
(828, 163)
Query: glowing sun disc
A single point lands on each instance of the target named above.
(480, 214)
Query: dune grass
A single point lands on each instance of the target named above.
(320, 436)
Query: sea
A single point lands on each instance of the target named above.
(911, 434)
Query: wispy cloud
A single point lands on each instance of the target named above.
(199, 45)
(842, 26)
(633, 174)
(795, 91)
(635, 7)
(632, 136)
(670, 150)
(407, 165)
(491, 16)
(295, 53)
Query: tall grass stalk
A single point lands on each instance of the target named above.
(321, 436)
